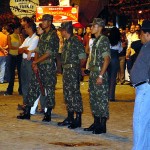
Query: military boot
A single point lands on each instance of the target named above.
(100, 126)
(25, 114)
(47, 115)
(68, 120)
(92, 126)
(77, 122)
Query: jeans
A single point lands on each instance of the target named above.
(7, 68)
(2, 68)
(26, 74)
(15, 61)
(141, 118)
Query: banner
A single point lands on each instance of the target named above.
(22, 8)
(59, 13)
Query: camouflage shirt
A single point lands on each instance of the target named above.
(48, 43)
(73, 51)
(100, 49)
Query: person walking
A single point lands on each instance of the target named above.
(140, 78)
(98, 80)
(73, 57)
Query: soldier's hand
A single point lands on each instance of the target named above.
(99, 81)
(34, 67)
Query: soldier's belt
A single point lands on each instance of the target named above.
(95, 68)
(66, 66)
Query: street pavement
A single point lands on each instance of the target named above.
(35, 135)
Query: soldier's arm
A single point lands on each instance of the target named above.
(42, 58)
(53, 45)
(106, 60)
(99, 80)
(105, 65)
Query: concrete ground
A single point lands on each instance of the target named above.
(35, 135)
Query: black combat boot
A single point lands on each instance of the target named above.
(26, 113)
(77, 122)
(92, 126)
(100, 126)
(47, 115)
(68, 120)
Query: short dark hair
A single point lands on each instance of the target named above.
(15, 26)
(69, 30)
(146, 31)
(27, 19)
(32, 25)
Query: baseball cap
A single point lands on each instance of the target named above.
(98, 21)
(47, 17)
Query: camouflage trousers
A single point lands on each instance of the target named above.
(98, 96)
(47, 74)
(71, 89)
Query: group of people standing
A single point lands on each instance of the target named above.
(73, 58)
(37, 62)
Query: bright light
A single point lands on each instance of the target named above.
(140, 11)
(50, 4)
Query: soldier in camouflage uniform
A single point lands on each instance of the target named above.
(44, 64)
(98, 81)
(73, 57)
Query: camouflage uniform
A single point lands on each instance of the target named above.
(48, 43)
(99, 93)
(73, 51)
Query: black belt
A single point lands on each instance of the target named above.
(140, 83)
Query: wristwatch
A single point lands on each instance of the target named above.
(100, 76)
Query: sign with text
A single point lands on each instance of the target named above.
(23, 8)
(59, 13)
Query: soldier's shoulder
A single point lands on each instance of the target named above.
(104, 37)
(74, 38)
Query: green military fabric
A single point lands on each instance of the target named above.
(99, 93)
(71, 86)
(100, 49)
(47, 74)
(48, 43)
(73, 51)
(98, 96)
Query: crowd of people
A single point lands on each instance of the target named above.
(39, 53)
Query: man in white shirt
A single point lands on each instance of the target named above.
(27, 48)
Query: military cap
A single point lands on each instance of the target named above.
(47, 17)
(66, 24)
(99, 22)
(146, 25)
